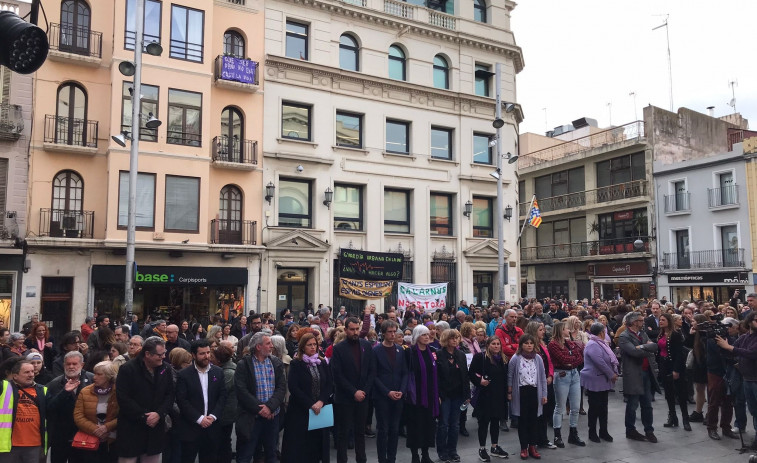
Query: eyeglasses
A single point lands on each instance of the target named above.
(155, 354)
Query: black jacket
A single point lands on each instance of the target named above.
(446, 369)
(347, 378)
(60, 408)
(189, 398)
(183, 343)
(652, 327)
(246, 387)
(389, 378)
(48, 353)
(676, 359)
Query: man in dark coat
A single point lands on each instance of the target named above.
(173, 340)
(354, 374)
(201, 396)
(389, 390)
(61, 400)
(652, 322)
(145, 393)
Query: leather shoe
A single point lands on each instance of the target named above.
(713, 433)
(635, 435)
(524, 454)
(533, 452)
(730, 433)
(651, 437)
(464, 432)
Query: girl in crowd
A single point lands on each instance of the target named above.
(538, 331)
(291, 339)
(422, 406)
(198, 332)
(454, 391)
(488, 373)
(598, 376)
(672, 370)
(434, 335)
(184, 332)
(527, 393)
(96, 413)
(699, 372)
(567, 357)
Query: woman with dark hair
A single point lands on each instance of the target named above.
(96, 357)
(696, 342)
(240, 328)
(422, 405)
(291, 339)
(184, 332)
(566, 356)
(488, 373)
(537, 330)
(527, 393)
(310, 388)
(39, 339)
(598, 376)
(197, 332)
(671, 362)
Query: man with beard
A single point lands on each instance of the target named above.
(61, 400)
(256, 324)
(23, 438)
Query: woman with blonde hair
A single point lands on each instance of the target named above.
(538, 331)
(567, 356)
(469, 344)
(454, 391)
(215, 333)
(96, 413)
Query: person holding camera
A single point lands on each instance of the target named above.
(718, 360)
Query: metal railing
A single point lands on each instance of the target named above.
(588, 197)
(66, 224)
(585, 249)
(130, 39)
(631, 131)
(77, 40)
(236, 2)
(176, 137)
(713, 258)
(11, 121)
(401, 9)
(189, 51)
(70, 131)
(679, 202)
(236, 69)
(233, 232)
(227, 149)
(447, 21)
(357, 2)
(726, 196)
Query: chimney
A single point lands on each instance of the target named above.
(711, 111)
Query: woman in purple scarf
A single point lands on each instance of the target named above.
(422, 406)
(598, 376)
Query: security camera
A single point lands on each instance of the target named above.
(300, 168)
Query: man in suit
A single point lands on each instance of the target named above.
(62, 393)
(201, 396)
(353, 368)
(652, 322)
(389, 388)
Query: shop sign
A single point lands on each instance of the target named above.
(364, 265)
(428, 298)
(621, 268)
(158, 275)
(624, 215)
(364, 289)
(738, 278)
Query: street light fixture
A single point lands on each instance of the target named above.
(468, 209)
(328, 197)
(121, 138)
(508, 212)
(270, 189)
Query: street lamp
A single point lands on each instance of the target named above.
(508, 212)
(270, 189)
(328, 197)
(468, 209)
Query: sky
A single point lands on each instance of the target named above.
(581, 55)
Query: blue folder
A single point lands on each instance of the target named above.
(324, 419)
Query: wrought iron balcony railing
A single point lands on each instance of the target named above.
(585, 249)
(76, 40)
(66, 224)
(227, 149)
(11, 121)
(233, 232)
(712, 258)
(70, 131)
(617, 192)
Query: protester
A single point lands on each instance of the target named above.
(39, 339)
(696, 342)
(454, 391)
(599, 374)
(566, 356)
(96, 414)
(422, 405)
(488, 373)
(538, 331)
(222, 356)
(390, 385)
(719, 396)
(527, 393)
(25, 438)
(672, 365)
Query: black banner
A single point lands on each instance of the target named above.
(364, 265)
(736, 278)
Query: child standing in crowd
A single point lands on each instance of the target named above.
(527, 393)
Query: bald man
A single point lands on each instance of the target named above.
(173, 340)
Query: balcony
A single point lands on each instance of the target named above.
(715, 258)
(59, 223)
(70, 135)
(233, 153)
(415, 12)
(678, 203)
(11, 122)
(723, 197)
(236, 73)
(567, 251)
(233, 232)
(75, 44)
(621, 191)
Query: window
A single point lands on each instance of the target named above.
(233, 44)
(441, 214)
(231, 140)
(145, 209)
(397, 63)
(230, 215)
(483, 225)
(396, 211)
(482, 152)
(729, 242)
(623, 225)
(441, 72)
(397, 137)
(295, 121)
(294, 203)
(74, 27)
(182, 209)
(151, 27)
(728, 193)
(71, 116)
(680, 196)
(297, 40)
(349, 130)
(622, 169)
(184, 117)
(441, 143)
(483, 76)
(68, 192)
(479, 10)
(445, 6)
(187, 33)
(348, 207)
(149, 105)
(682, 248)
(348, 53)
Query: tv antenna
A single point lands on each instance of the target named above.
(670, 65)
(733, 84)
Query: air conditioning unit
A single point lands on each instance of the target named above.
(68, 222)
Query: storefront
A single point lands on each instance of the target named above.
(11, 269)
(717, 287)
(627, 280)
(172, 293)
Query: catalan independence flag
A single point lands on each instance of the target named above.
(535, 217)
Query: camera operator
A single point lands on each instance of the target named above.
(718, 361)
(745, 351)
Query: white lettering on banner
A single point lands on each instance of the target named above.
(192, 280)
(428, 298)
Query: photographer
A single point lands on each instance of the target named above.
(718, 360)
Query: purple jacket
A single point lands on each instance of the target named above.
(598, 368)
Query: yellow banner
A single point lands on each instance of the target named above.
(363, 289)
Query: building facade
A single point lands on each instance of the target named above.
(378, 132)
(200, 179)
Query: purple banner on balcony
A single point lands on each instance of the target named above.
(239, 70)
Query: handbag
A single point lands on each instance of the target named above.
(85, 441)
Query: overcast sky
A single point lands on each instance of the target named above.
(581, 55)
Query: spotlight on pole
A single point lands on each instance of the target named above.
(127, 68)
(23, 46)
(154, 48)
(152, 122)
(121, 139)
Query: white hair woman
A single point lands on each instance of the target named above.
(422, 406)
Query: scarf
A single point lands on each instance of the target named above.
(606, 349)
(103, 390)
(311, 359)
(497, 358)
(424, 398)
(528, 356)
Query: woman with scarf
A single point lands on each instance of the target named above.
(96, 413)
(567, 357)
(488, 373)
(468, 343)
(422, 405)
(537, 330)
(310, 388)
(39, 339)
(671, 361)
(598, 376)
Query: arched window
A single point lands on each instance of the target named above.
(397, 63)
(441, 72)
(479, 10)
(348, 53)
(66, 217)
(71, 115)
(74, 27)
(233, 44)
(230, 216)
(231, 140)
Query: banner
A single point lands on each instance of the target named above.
(366, 265)
(428, 298)
(363, 289)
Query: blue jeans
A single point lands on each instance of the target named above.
(448, 427)
(646, 407)
(265, 432)
(388, 415)
(567, 389)
(750, 393)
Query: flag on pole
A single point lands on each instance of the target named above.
(535, 217)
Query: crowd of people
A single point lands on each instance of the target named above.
(178, 390)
